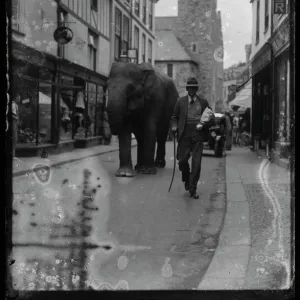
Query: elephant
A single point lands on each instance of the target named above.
(140, 101)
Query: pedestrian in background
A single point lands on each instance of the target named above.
(184, 121)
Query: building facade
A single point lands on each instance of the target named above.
(198, 28)
(61, 88)
(133, 28)
(270, 65)
(231, 80)
(174, 60)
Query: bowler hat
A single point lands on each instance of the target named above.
(192, 82)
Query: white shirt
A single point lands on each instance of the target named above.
(190, 98)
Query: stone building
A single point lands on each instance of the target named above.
(174, 60)
(198, 29)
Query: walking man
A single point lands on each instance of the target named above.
(184, 121)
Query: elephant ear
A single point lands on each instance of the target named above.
(148, 75)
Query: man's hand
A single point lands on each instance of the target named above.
(174, 130)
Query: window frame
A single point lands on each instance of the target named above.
(94, 7)
(137, 10)
(92, 45)
(150, 15)
(150, 51)
(118, 34)
(267, 14)
(143, 47)
(124, 41)
(193, 44)
(144, 11)
(257, 22)
(170, 67)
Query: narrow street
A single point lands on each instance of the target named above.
(120, 233)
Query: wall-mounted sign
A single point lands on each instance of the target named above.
(281, 37)
(279, 7)
(132, 53)
(63, 35)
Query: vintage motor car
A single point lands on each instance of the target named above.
(216, 136)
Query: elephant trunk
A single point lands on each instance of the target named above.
(115, 113)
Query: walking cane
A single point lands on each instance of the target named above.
(174, 167)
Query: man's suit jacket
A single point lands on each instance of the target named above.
(178, 118)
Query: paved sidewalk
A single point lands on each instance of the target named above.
(25, 165)
(254, 188)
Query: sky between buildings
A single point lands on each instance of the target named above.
(236, 25)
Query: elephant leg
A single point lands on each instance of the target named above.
(162, 134)
(125, 169)
(149, 139)
(140, 150)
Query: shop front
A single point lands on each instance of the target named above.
(282, 111)
(262, 103)
(60, 105)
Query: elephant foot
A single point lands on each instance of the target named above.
(160, 163)
(125, 172)
(148, 170)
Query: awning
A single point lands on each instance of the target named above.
(243, 97)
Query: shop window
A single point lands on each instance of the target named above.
(100, 105)
(118, 18)
(281, 98)
(137, 7)
(25, 93)
(44, 109)
(91, 110)
(66, 99)
(92, 44)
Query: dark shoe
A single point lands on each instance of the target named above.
(194, 195)
(186, 186)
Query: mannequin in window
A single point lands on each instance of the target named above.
(79, 110)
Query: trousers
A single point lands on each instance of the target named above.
(190, 144)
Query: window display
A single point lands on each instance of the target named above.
(91, 112)
(79, 114)
(44, 108)
(27, 106)
(99, 111)
(66, 100)
(66, 97)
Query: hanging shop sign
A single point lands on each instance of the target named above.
(281, 37)
(279, 7)
(63, 35)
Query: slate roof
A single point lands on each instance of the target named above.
(168, 47)
(165, 23)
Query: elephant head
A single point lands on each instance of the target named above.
(127, 86)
